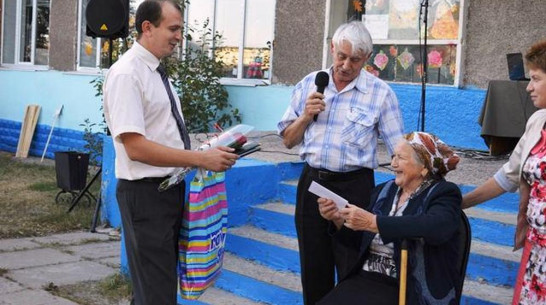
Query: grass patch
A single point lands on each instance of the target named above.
(115, 286)
(3, 271)
(27, 201)
(43, 186)
(112, 290)
(51, 287)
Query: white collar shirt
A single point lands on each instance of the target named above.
(136, 101)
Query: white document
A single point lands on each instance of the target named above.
(323, 192)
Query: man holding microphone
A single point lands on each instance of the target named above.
(339, 148)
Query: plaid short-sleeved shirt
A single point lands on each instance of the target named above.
(344, 137)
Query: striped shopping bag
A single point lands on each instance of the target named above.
(203, 234)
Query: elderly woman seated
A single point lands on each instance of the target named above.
(419, 206)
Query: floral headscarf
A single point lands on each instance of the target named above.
(435, 154)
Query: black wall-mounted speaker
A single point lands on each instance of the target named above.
(107, 18)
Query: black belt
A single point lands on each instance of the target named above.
(157, 180)
(327, 175)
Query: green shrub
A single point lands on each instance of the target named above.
(197, 80)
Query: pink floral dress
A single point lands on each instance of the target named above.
(533, 281)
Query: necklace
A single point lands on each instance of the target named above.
(420, 188)
(397, 205)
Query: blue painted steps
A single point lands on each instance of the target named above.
(491, 270)
(287, 191)
(497, 271)
(275, 257)
(257, 290)
(252, 284)
(268, 241)
(277, 218)
(274, 217)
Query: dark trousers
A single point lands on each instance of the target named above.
(319, 255)
(365, 288)
(151, 225)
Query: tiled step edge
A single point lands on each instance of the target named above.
(257, 290)
(216, 296)
(492, 231)
(273, 250)
(483, 291)
(265, 236)
(286, 280)
(274, 217)
(287, 191)
(502, 217)
(496, 251)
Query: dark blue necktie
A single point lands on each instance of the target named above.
(179, 122)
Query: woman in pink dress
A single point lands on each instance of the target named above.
(526, 170)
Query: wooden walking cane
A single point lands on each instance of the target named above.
(403, 272)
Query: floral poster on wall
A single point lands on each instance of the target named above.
(403, 63)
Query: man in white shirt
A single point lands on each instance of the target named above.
(143, 114)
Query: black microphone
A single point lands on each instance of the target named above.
(321, 81)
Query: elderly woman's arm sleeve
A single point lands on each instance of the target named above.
(436, 225)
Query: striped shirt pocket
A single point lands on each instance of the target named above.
(358, 127)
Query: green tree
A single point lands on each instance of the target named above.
(197, 80)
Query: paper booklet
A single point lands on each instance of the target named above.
(234, 137)
(323, 192)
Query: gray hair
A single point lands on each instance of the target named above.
(356, 34)
(414, 153)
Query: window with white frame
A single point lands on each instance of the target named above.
(25, 32)
(88, 48)
(397, 29)
(246, 28)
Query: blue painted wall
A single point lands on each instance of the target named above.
(259, 180)
(62, 139)
(49, 89)
(451, 113)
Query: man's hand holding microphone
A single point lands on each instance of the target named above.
(315, 102)
(314, 105)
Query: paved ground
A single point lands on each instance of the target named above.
(28, 265)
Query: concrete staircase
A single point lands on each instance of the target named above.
(262, 264)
